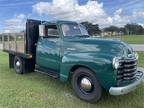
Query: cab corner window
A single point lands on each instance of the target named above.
(51, 31)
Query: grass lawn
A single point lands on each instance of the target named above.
(131, 39)
(33, 90)
(141, 59)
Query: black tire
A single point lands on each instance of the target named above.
(19, 69)
(94, 94)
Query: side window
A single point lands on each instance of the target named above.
(51, 31)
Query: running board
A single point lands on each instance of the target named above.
(47, 72)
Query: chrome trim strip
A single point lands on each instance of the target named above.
(129, 70)
(130, 65)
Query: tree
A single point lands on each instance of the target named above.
(112, 29)
(93, 29)
(123, 30)
(134, 29)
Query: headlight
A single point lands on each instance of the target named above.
(116, 62)
(136, 56)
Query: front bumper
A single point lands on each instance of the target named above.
(128, 88)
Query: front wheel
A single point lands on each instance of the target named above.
(85, 85)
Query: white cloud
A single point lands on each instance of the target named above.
(141, 24)
(119, 19)
(15, 24)
(7, 31)
(92, 11)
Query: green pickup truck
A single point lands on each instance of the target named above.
(64, 50)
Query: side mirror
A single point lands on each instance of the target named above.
(42, 30)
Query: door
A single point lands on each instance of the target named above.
(48, 49)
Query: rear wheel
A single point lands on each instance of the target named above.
(18, 65)
(85, 85)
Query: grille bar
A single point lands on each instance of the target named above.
(130, 70)
(127, 69)
(130, 65)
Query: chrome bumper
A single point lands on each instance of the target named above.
(128, 88)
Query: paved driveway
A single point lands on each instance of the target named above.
(137, 47)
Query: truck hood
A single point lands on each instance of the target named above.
(97, 45)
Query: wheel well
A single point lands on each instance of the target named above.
(75, 67)
(78, 66)
(28, 64)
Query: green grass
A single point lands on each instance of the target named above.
(141, 59)
(33, 90)
(131, 39)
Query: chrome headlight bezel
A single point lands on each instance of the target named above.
(116, 62)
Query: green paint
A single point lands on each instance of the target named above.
(63, 53)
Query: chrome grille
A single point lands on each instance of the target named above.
(127, 70)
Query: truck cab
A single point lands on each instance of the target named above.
(53, 45)
(64, 50)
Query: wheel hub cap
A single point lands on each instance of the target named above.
(85, 84)
(18, 64)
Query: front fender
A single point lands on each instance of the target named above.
(100, 64)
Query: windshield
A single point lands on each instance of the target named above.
(73, 29)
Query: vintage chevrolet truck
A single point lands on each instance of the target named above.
(64, 50)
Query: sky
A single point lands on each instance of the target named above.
(13, 13)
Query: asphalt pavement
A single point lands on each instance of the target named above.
(137, 47)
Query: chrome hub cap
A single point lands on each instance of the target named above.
(86, 84)
(18, 64)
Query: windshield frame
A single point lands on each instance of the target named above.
(80, 28)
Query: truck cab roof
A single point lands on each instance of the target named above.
(56, 22)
